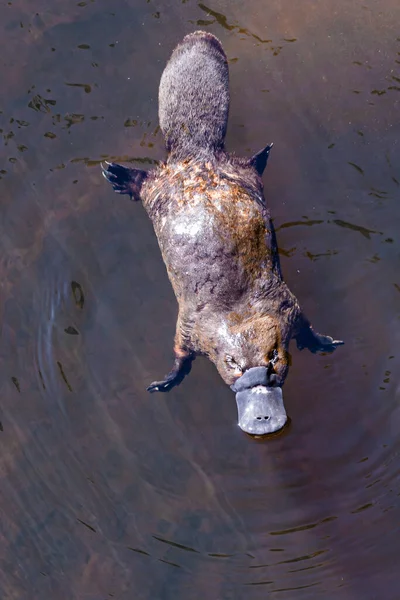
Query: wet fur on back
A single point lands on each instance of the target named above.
(214, 229)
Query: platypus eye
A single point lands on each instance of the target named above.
(273, 356)
(232, 364)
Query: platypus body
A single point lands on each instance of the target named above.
(218, 242)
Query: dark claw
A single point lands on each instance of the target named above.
(182, 367)
(160, 386)
(330, 347)
(326, 344)
(120, 177)
(172, 379)
(259, 160)
(315, 342)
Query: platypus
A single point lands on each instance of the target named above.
(218, 242)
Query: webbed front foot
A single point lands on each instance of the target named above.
(181, 368)
(124, 180)
(315, 342)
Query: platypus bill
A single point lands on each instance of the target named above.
(218, 242)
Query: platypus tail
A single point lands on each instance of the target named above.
(194, 97)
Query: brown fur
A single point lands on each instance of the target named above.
(232, 300)
(214, 229)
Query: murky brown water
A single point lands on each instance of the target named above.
(107, 492)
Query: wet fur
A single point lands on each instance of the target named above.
(214, 229)
(194, 98)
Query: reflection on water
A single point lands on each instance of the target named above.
(107, 490)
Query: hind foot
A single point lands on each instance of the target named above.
(124, 179)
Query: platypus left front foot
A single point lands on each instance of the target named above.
(315, 342)
(181, 368)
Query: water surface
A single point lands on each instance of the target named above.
(107, 492)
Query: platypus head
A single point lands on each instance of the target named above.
(259, 402)
(252, 359)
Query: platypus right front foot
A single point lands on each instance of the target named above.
(181, 368)
(165, 385)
